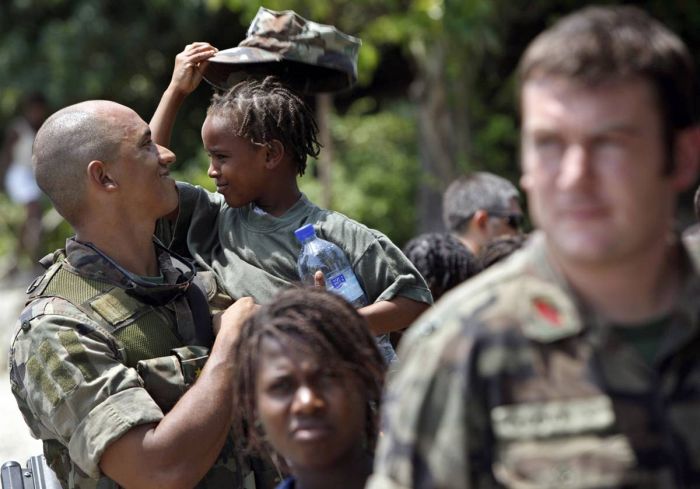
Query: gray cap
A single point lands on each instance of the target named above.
(306, 55)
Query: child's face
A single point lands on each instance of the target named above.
(313, 416)
(237, 165)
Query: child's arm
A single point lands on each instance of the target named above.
(187, 74)
(385, 316)
(392, 315)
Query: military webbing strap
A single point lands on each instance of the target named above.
(200, 315)
(138, 330)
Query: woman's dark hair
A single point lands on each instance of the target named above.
(499, 248)
(265, 110)
(442, 260)
(321, 325)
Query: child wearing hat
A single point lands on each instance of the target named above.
(258, 135)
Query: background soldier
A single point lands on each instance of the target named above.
(575, 363)
(480, 207)
(116, 329)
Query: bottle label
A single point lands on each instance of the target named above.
(338, 281)
(345, 283)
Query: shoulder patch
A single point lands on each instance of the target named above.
(116, 306)
(549, 313)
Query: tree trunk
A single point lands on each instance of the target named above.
(324, 107)
(438, 135)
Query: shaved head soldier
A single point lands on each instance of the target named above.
(115, 333)
(574, 364)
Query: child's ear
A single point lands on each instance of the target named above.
(275, 154)
(99, 176)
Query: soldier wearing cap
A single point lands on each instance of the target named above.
(108, 364)
(574, 364)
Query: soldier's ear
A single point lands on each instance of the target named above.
(687, 158)
(100, 177)
(480, 219)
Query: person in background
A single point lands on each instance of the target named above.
(308, 378)
(479, 207)
(108, 361)
(20, 185)
(575, 363)
(442, 260)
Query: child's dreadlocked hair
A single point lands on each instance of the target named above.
(266, 110)
(442, 260)
(320, 324)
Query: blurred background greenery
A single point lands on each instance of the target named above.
(435, 96)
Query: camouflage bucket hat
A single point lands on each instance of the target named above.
(306, 55)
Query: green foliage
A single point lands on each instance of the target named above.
(375, 172)
(79, 49)
(76, 50)
(10, 222)
(54, 236)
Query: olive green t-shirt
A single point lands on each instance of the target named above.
(255, 254)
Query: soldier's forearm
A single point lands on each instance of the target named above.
(184, 445)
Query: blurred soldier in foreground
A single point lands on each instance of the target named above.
(104, 363)
(574, 364)
(480, 207)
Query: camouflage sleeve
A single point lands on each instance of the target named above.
(435, 426)
(70, 384)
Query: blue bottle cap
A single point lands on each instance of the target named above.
(305, 232)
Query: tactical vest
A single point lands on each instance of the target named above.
(155, 340)
(139, 331)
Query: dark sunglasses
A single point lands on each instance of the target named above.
(514, 221)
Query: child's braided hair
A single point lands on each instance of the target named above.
(263, 111)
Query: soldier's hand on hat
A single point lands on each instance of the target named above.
(189, 66)
(234, 316)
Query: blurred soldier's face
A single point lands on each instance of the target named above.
(593, 167)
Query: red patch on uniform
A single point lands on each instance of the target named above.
(547, 311)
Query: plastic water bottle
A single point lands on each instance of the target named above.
(318, 254)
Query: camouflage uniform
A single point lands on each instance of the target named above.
(307, 56)
(511, 382)
(91, 360)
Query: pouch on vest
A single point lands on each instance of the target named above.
(218, 299)
(167, 378)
